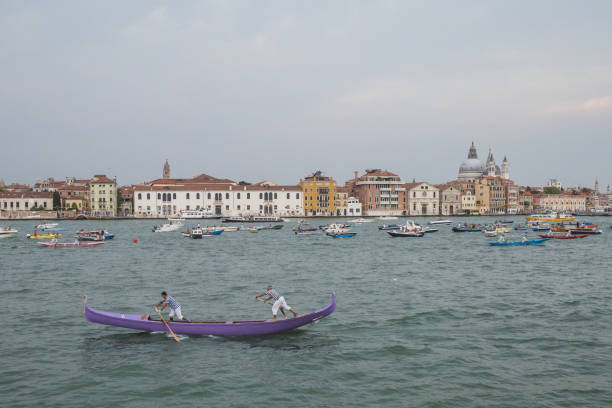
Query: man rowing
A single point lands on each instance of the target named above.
(279, 302)
(175, 307)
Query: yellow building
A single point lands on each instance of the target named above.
(319, 194)
(490, 195)
(342, 196)
(103, 195)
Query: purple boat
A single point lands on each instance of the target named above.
(218, 328)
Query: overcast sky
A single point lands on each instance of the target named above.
(273, 90)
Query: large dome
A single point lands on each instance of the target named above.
(471, 166)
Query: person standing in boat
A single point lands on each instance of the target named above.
(501, 238)
(175, 307)
(279, 302)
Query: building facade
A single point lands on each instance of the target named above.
(560, 202)
(319, 194)
(490, 195)
(380, 192)
(28, 201)
(423, 199)
(222, 200)
(103, 196)
(353, 207)
(450, 199)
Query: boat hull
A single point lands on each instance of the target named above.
(520, 243)
(217, 328)
(70, 244)
(400, 234)
(563, 236)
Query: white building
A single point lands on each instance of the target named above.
(423, 199)
(353, 207)
(15, 201)
(224, 200)
(554, 183)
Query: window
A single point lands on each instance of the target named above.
(45, 204)
(17, 204)
(26, 204)
(248, 207)
(227, 207)
(140, 196)
(414, 194)
(248, 196)
(288, 196)
(238, 197)
(238, 207)
(187, 196)
(297, 195)
(159, 196)
(198, 196)
(148, 196)
(227, 197)
(209, 196)
(173, 196)
(261, 196)
(275, 196)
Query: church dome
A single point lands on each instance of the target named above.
(471, 166)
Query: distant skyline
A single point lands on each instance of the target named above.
(276, 90)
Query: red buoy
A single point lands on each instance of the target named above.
(135, 240)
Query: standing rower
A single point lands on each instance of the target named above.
(279, 302)
(175, 307)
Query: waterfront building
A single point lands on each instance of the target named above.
(490, 195)
(11, 201)
(512, 197)
(423, 199)
(468, 202)
(319, 194)
(354, 207)
(220, 199)
(473, 168)
(380, 192)
(342, 195)
(48, 184)
(560, 202)
(126, 203)
(103, 196)
(525, 201)
(74, 196)
(450, 199)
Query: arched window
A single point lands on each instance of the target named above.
(159, 196)
(266, 196)
(164, 197)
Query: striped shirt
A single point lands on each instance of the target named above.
(272, 292)
(172, 302)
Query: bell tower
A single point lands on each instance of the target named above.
(166, 171)
(505, 169)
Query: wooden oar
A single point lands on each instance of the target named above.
(166, 323)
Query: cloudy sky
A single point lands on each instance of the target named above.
(276, 89)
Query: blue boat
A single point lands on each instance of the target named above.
(518, 243)
(211, 233)
(522, 228)
(343, 235)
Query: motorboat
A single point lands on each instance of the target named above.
(271, 227)
(342, 234)
(83, 235)
(533, 227)
(197, 214)
(428, 230)
(7, 232)
(553, 216)
(334, 226)
(388, 217)
(144, 322)
(43, 236)
(47, 225)
(269, 219)
(173, 224)
(470, 227)
(361, 221)
(389, 227)
(440, 222)
(406, 233)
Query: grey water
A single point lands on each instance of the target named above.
(439, 321)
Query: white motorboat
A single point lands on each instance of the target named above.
(47, 225)
(7, 232)
(197, 214)
(173, 224)
(388, 217)
(440, 222)
(360, 220)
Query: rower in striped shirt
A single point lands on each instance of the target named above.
(279, 302)
(175, 307)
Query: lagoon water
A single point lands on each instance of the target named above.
(442, 321)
